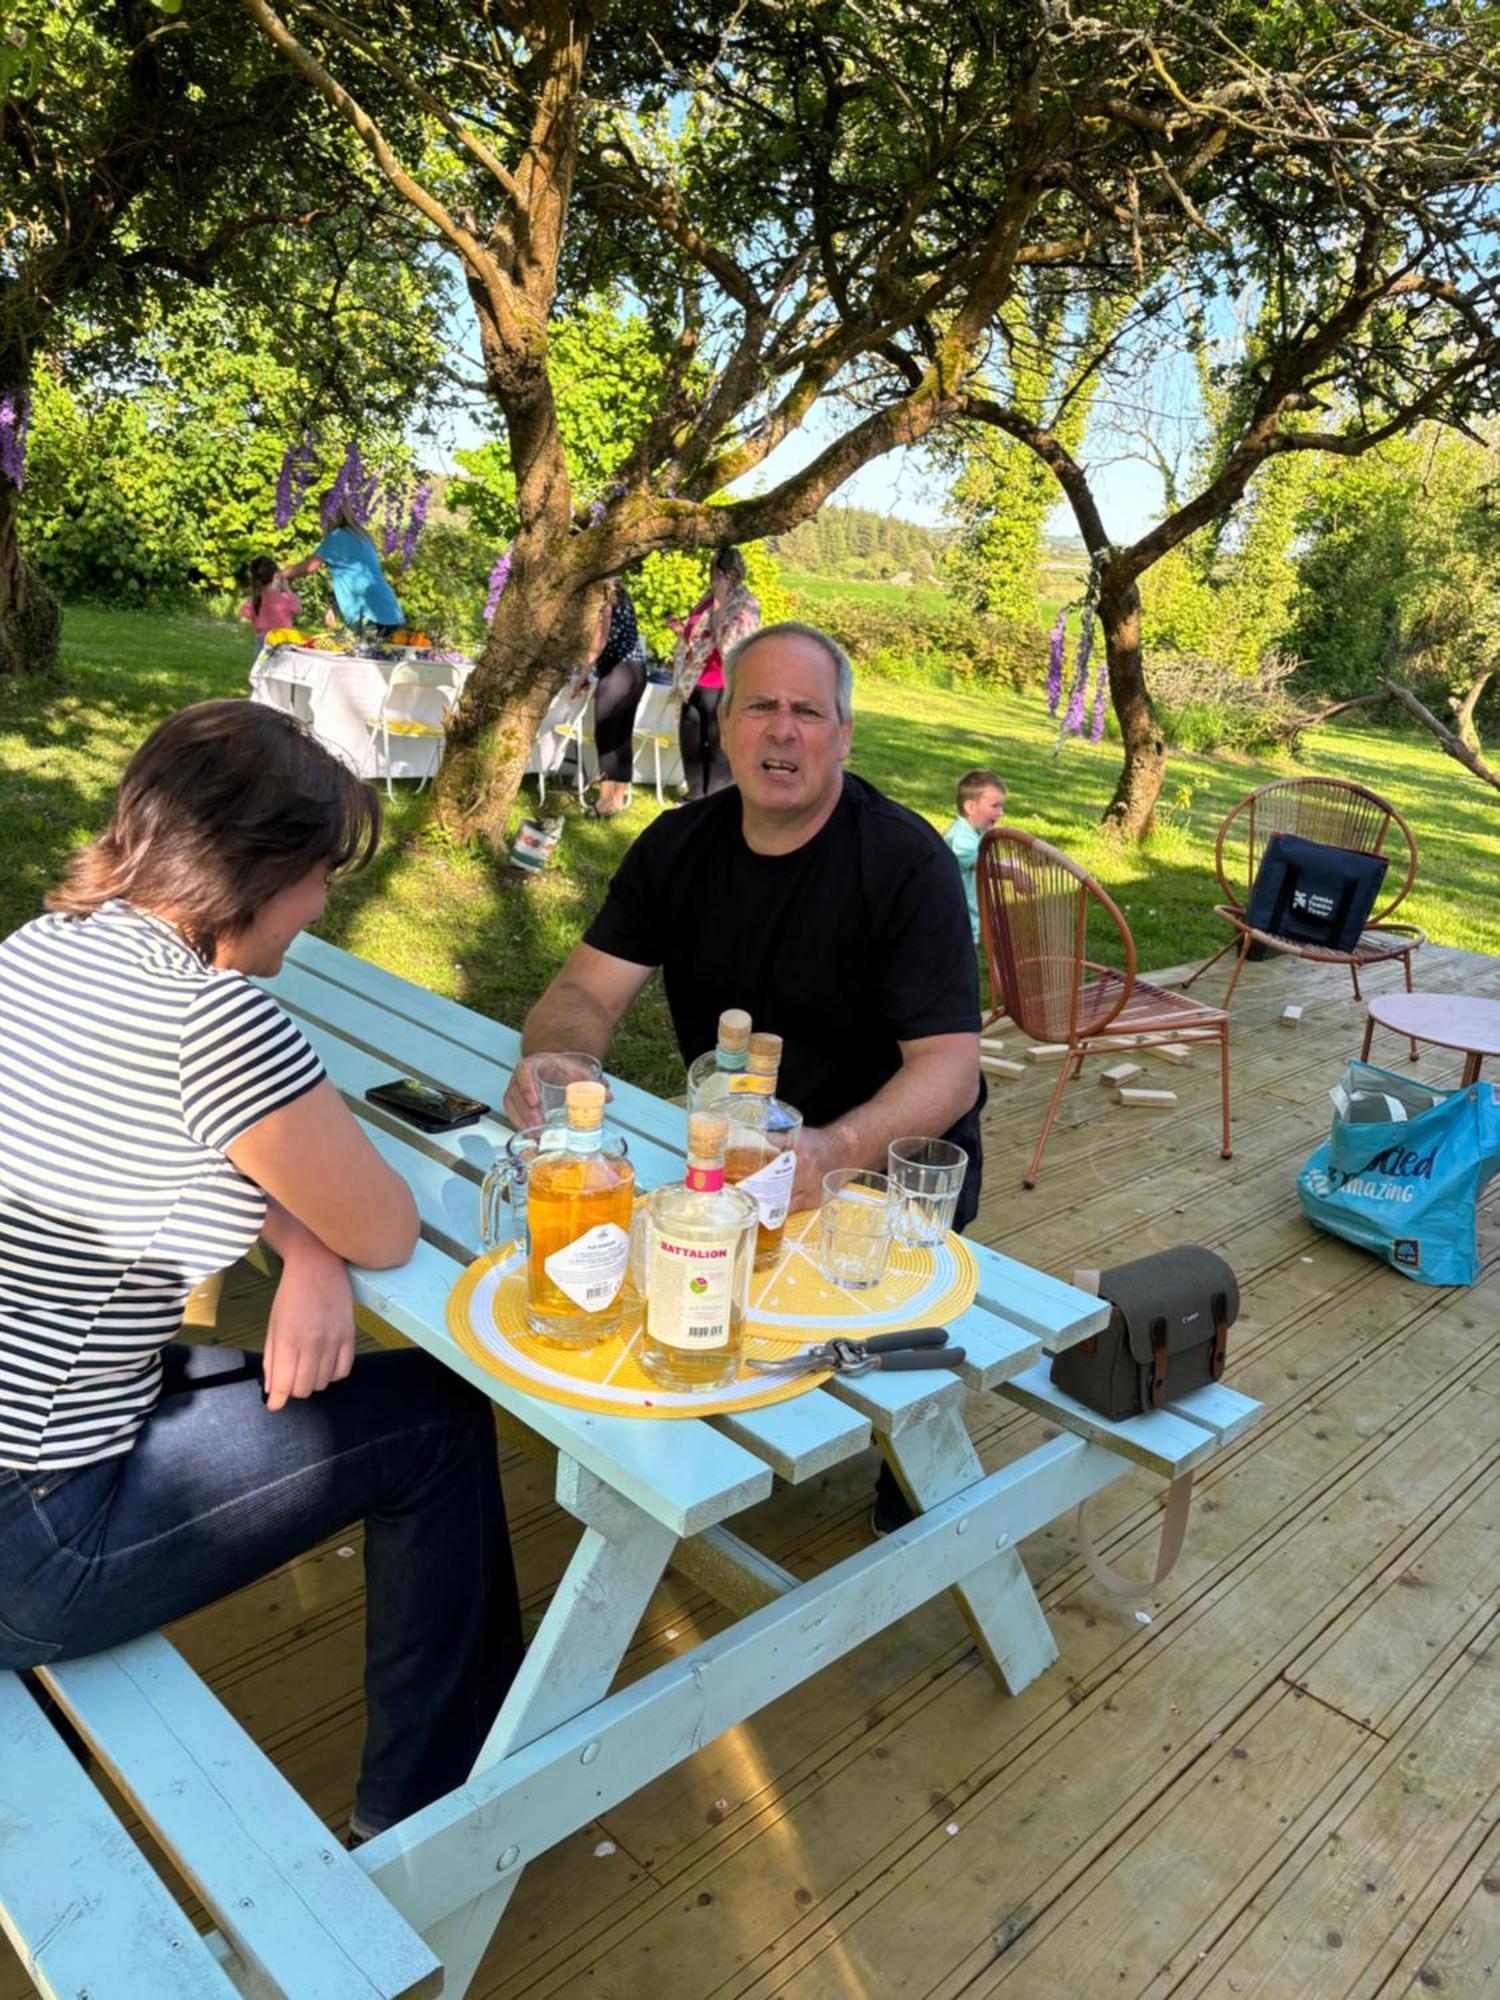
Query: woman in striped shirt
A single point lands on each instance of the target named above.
(158, 1112)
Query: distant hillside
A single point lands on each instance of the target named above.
(856, 542)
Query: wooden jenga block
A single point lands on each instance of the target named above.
(1039, 1052)
(991, 1042)
(1172, 1052)
(998, 1066)
(1290, 1016)
(1157, 1097)
(1121, 1073)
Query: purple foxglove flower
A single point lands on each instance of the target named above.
(1055, 662)
(499, 577)
(596, 513)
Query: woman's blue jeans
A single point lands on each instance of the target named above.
(217, 1490)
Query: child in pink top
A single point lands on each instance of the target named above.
(270, 604)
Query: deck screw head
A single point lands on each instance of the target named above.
(507, 1860)
(589, 1752)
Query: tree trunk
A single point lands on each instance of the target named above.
(540, 634)
(1132, 811)
(30, 622)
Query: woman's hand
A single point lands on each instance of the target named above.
(310, 1334)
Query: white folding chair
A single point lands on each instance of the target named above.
(406, 677)
(575, 729)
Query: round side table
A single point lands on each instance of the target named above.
(1447, 1020)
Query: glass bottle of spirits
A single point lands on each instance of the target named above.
(700, 1244)
(762, 1155)
(723, 1068)
(579, 1203)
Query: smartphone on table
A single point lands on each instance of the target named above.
(426, 1105)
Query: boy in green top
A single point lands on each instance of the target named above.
(980, 802)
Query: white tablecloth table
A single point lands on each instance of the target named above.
(339, 695)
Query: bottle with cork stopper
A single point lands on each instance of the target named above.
(700, 1246)
(762, 1155)
(725, 1067)
(580, 1191)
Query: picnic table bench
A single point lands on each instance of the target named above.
(414, 1909)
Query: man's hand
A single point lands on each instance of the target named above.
(522, 1103)
(820, 1150)
(310, 1335)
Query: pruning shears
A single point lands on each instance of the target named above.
(917, 1347)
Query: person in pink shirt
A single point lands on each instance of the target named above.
(270, 604)
(722, 617)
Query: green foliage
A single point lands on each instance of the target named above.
(950, 646)
(1401, 566)
(164, 488)
(855, 542)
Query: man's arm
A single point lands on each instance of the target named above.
(579, 1010)
(936, 1084)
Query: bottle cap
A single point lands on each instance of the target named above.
(765, 1054)
(708, 1135)
(734, 1029)
(585, 1102)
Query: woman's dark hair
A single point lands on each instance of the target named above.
(729, 562)
(262, 576)
(223, 805)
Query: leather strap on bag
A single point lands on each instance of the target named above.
(1173, 1534)
(1221, 1335)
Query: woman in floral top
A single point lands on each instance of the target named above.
(722, 617)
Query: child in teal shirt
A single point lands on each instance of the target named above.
(980, 802)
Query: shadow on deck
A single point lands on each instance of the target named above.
(1284, 1783)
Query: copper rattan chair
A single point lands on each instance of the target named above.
(1035, 908)
(1338, 814)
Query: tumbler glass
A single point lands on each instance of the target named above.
(554, 1072)
(855, 1228)
(927, 1176)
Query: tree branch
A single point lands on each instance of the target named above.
(1458, 750)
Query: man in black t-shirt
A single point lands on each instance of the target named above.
(835, 917)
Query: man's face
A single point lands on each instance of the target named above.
(782, 734)
(983, 811)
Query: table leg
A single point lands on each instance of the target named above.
(569, 1666)
(1364, 1054)
(933, 1459)
(1471, 1070)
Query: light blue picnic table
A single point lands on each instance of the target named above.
(564, 1747)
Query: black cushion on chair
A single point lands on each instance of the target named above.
(1308, 893)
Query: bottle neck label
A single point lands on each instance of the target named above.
(705, 1180)
(747, 1083)
(731, 1058)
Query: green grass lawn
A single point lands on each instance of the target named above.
(453, 921)
(815, 590)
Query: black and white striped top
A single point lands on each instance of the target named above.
(126, 1067)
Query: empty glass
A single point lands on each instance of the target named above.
(554, 1072)
(855, 1228)
(927, 1176)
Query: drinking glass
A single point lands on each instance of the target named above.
(554, 1072)
(855, 1228)
(927, 1176)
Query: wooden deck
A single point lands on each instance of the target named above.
(1286, 1783)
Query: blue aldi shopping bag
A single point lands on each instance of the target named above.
(1403, 1169)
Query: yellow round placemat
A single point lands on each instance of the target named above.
(792, 1305)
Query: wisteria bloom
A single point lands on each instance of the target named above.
(499, 577)
(415, 523)
(15, 422)
(1055, 662)
(351, 485)
(295, 477)
(391, 525)
(1078, 693)
(1100, 684)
